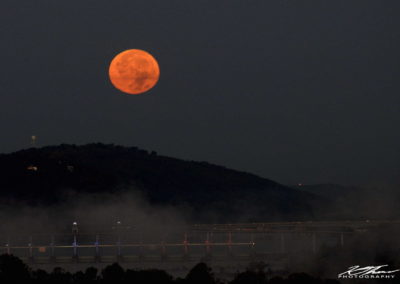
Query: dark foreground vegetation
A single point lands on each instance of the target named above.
(13, 270)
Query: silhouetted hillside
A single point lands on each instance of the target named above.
(328, 190)
(213, 192)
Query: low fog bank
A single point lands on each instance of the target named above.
(94, 213)
(97, 212)
(355, 203)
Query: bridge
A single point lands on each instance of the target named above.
(237, 244)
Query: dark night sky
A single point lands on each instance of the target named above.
(296, 91)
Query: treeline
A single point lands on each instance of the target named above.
(14, 270)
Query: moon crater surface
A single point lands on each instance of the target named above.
(134, 71)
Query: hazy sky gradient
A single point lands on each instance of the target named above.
(296, 91)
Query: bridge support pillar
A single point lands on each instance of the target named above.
(52, 254)
(314, 243)
(97, 250)
(230, 253)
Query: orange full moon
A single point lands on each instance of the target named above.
(134, 71)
